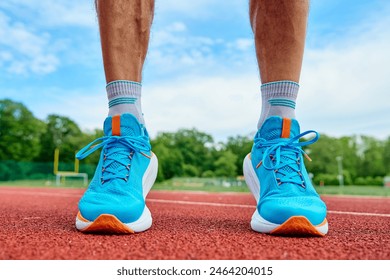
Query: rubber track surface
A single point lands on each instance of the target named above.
(39, 224)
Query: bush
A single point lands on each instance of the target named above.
(5, 172)
(369, 181)
(326, 179)
(190, 170)
(347, 178)
(208, 174)
(360, 181)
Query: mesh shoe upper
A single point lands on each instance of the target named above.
(116, 187)
(285, 187)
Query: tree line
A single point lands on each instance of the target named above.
(187, 152)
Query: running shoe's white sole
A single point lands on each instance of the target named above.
(295, 225)
(107, 223)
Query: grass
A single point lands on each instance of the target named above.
(328, 190)
(68, 183)
(209, 185)
(354, 190)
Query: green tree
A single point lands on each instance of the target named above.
(190, 170)
(187, 152)
(225, 165)
(170, 160)
(386, 156)
(195, 146)
(323, 154)
(62, 133)
(239, 146)
(86, 138)
(20, 132)
(372, 163)
(351, 160)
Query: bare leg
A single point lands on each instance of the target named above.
(279, 27)
(124, 31)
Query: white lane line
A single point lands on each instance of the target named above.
(346, 196)
(358, 213)
(253, 206)
(199, 203)
(184, 202)
(40, 193)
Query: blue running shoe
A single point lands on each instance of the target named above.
(115, 199)
(287, 203)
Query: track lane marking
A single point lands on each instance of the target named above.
(253, 206)
(199, 203)
(39, 193)
(184, 202)
(358, 213)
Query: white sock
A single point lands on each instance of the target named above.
(278, 99)
(125, 97)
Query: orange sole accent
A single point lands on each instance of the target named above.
(106, 223)
(299, 226)
(81, 218)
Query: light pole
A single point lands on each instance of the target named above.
(340, 166)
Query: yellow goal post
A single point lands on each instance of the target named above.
(64, 174)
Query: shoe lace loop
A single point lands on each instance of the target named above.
(118, 154)
(284, 157)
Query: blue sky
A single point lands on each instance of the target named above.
(201, 68)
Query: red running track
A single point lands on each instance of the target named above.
(38, 223)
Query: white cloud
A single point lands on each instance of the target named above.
(344, 89)
(219, 105)
(25, 50)
(177, 27)
(87, 109)
(174, 50)
(201, 8)
(244, 44)
(48, 13)
(36, 35)
(345, 86)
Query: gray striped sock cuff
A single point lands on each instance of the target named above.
(123, 88)
(280, 89)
